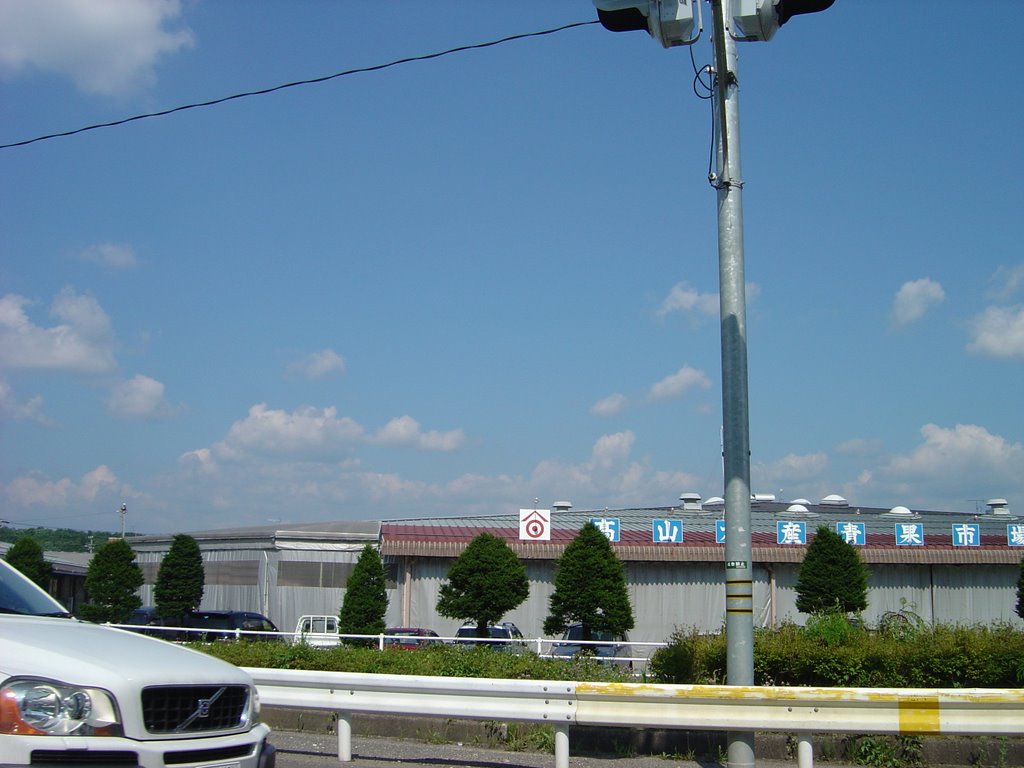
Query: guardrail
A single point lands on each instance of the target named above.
(801, 711)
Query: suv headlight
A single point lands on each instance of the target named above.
(254, 706)
(40, 707)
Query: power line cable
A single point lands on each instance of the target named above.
(312, 81)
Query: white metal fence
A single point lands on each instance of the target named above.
(635, 654)
(801, 711)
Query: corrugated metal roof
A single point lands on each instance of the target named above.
(447, 537)
(338, 530)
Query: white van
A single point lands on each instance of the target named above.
(74, 692)
(318, 631)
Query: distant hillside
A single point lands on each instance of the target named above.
(58, 539)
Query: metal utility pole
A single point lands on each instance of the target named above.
(728, 180)
(671, 23)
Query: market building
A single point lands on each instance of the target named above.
(943, 566)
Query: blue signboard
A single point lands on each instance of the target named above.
(719, 531)
(909, 535)
(966, 535)
(667, 531)
(791, 532)
(853, 533)
(609, 526)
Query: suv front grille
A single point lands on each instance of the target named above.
(105, 758)
(194, 708)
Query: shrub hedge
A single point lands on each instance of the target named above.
(439, 660)
(829, 651)
(833, 652)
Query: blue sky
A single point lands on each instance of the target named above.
(460, 285)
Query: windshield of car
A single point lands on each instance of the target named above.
(19, 595)
(319, 624)
(496, 632)
(575, 632)
(257, 624)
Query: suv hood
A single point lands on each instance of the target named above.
(103, 655)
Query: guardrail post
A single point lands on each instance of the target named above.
(561, 746)
(804, 751)
(344, 737)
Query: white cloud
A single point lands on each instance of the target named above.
(405, 430)
(1008, 282)
(672, 386)
(201, 459)
(275, 432)
(683, 380)
(30, 490)
(291, 487)
(952, 466)
(138, 398)
(82, 343)
(794, 476)
(311, 434)
(683, 298)
(318, 364)
(610, 478)
(998, 332)
(951, 450)
(914, 299)
(610, 450)
(108, 47)
(110, 255)
(792, 470)
(609, 406)
(11, 408)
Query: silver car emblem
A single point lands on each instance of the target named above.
(202, 710)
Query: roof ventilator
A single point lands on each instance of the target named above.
(901, 513)
(1000, 508)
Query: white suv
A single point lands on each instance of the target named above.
(76, 693)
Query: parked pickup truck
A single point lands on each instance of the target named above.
(75, 693)
(318, 631)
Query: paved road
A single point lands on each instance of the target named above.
(306, 750)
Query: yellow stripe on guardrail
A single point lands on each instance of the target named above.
(919, 715)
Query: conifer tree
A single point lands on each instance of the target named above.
(110, 584)
(484, 583)
(366, 598)
(590, 588)
(180, 580)
(27, 556)
(831, 578)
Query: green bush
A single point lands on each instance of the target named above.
(833, 629)
(689, 657)
(832, 652)
(888, 751)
